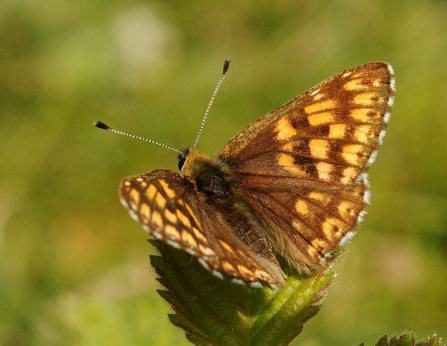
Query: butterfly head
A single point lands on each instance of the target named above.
(190, 159)
(206, 174)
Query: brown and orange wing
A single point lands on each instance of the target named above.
(303, 166)
(307, 226)
(169, 208)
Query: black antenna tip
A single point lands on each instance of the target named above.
(226, 66)
(101, 125)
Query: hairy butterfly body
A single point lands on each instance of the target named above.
(293, 183)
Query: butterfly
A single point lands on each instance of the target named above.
(293, 183)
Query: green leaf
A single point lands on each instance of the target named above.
(383, 341)
(212, 311)
(434, 341)
(406, 339)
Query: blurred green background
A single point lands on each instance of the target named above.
(74, 267)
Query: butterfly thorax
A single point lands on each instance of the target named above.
(206, 174)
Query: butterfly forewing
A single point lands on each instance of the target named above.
(168, 207)
(328, 135)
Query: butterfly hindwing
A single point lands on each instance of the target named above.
(169, 208)
(307, 226)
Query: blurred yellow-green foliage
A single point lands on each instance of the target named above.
(74, 267)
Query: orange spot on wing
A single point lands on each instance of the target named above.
(349, 174)
(157, 220)
(365, 99)
(191, 212)
(134, 199)
(170, 216)
(160, 201)
(345, 209)
(150, 192)
(361, 114)
(182, 217)
(172, 232)
(317, 196)
(301, 207)
(287, 162)
(169, 192)
(145, 212)
(335, 226)
(285, 129)
(199, 235)
(318, 148)
(337, 130)
(226, 246)
(288, 147)
(246, 273)
(206, 250)
(320, 118)
(355, 84)
(229, 268)
(364, 134)
(324, 170)
(351, 153)
(189, 240)
(320, 106)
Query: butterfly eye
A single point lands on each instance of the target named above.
(182, 158)
(181, 163)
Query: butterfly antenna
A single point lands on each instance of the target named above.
(225, 69)
(101, 125)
